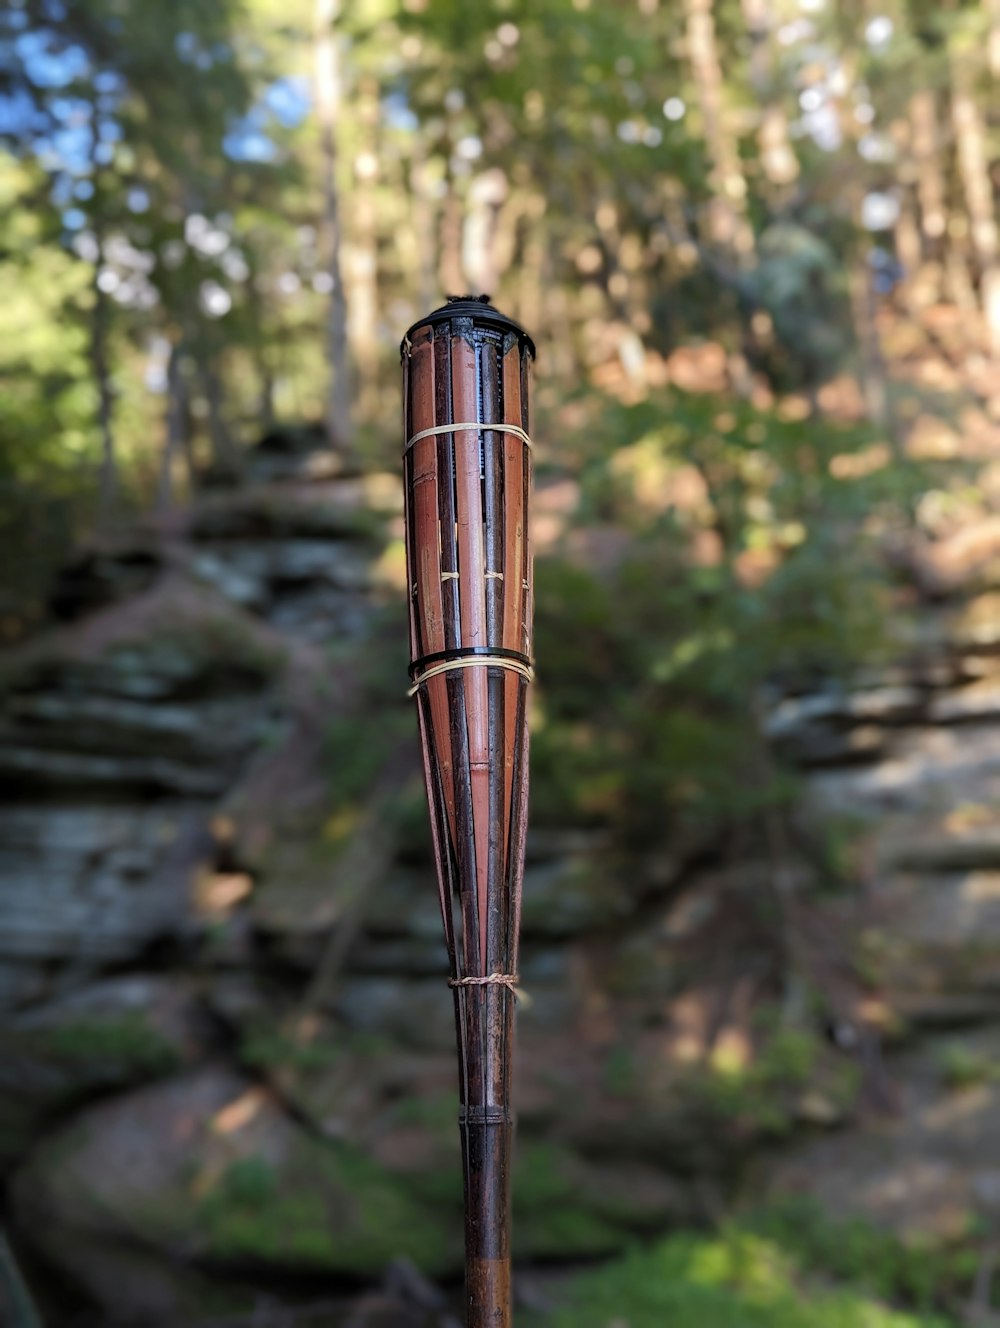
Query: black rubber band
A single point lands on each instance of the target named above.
(467, 652)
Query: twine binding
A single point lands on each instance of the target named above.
(478, 425)
(477, 661)
(508, 980)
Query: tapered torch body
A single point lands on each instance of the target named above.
(467, 474)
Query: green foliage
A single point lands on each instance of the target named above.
(743, 560)
(789, 1057)
(248, 1183)
(737, 1097)
(800, 282)
(358, 746)
(223, 642)
(360, 741)
(737, 1279)
(621, 1074)
(964, 1067)
(267, 1049)
(45, 400)
(653, 669)
(327, 1208)
(441, 98)
(47, 436)
(922, 1273)
(840, 843)
(555, 1216)
(269, 1044)
(436, 1113)
(127, 1041)
(758, 1097)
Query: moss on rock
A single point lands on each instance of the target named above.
(329, 1208)
(737, 1279)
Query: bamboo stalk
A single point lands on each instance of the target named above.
(469, 572)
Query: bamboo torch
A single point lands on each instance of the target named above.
(467, 472)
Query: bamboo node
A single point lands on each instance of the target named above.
(485, 1115)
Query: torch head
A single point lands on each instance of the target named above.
(476, 308)
(467, 476)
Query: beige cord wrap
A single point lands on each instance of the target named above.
(508, 980)
(475, 661)
(478, 425)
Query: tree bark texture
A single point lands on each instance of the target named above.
(729, 226)
(329, 99)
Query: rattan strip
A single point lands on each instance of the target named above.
(493, 453)
(467, 652)
(478, 425)
(478, 661)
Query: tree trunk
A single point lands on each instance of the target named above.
(261, 355)
(932, 194)
(777, 157)
(108, 473)
(224, 456)
(480, 254)
(362, 263)
(266, 407)
(530, 284)
(873, 373)
(451, 273)
(914, 291)
(338, 419)
(908, 246)
(872, 370)
(174, 441)
(926, 154)
(974, 170)
(728, 224)
(422, 220)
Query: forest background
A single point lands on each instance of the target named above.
(756, 244)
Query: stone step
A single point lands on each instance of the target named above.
(975, 851)
(30, 769)
(200, 731)
(92, 884)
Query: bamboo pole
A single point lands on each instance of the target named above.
(467, 472)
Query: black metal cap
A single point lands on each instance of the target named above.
(476, 307)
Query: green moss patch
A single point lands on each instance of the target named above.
(555, 1216)
(737, 1279)
(329, 1209)
(762, 1099)
(125, 1047)
(921, 1273)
